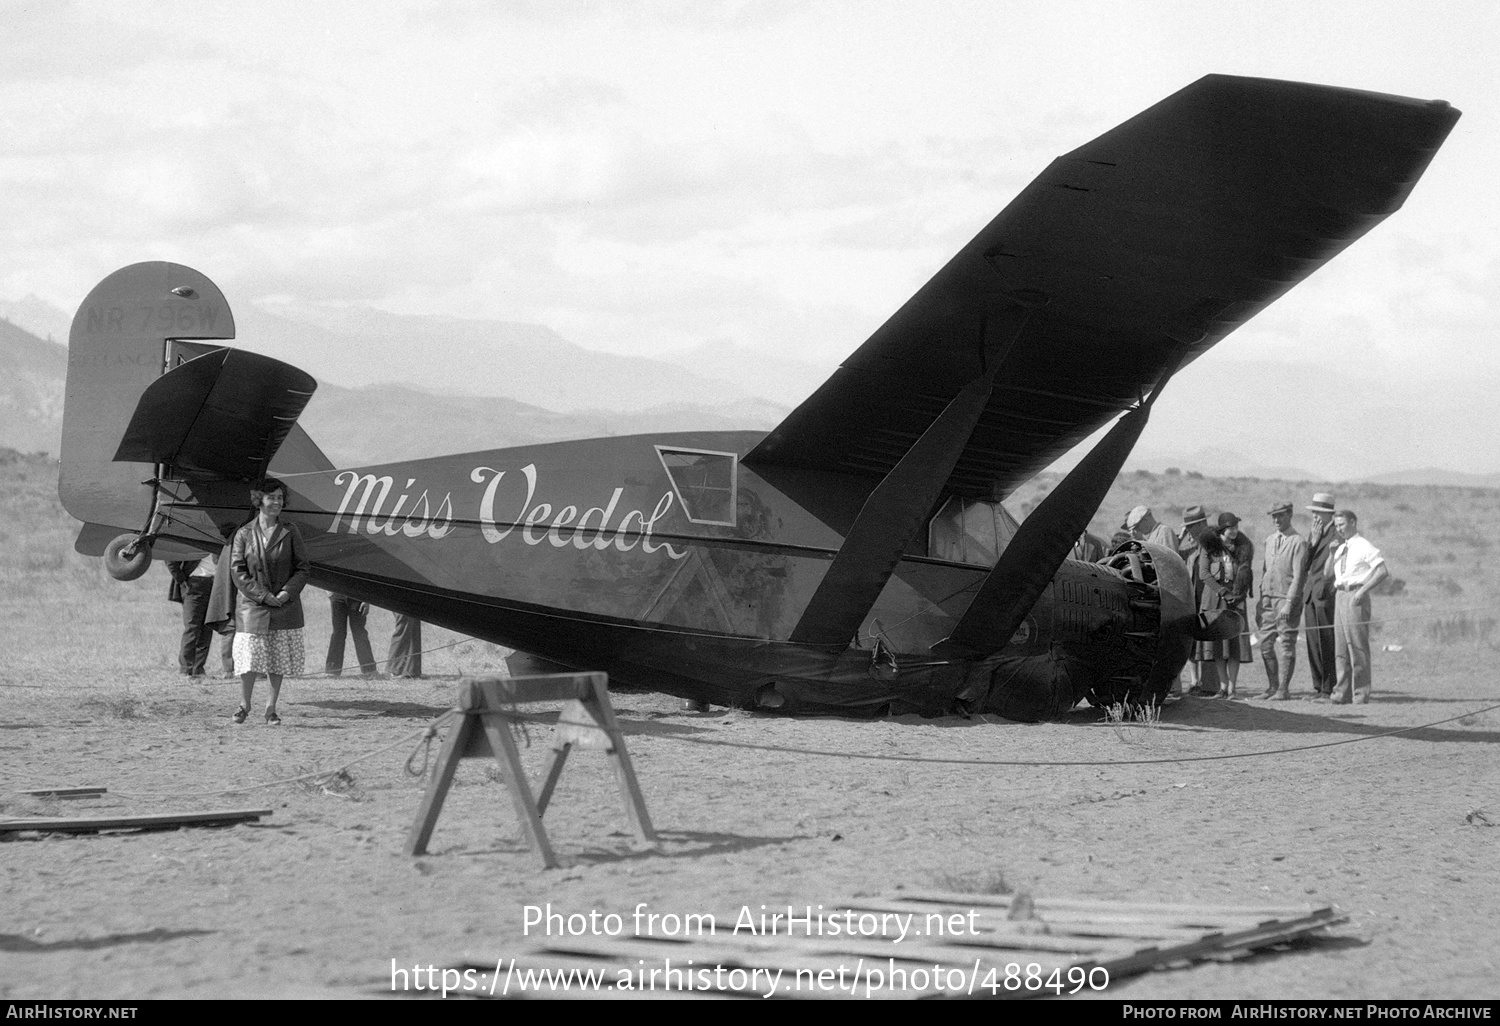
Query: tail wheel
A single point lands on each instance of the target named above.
(127, 557)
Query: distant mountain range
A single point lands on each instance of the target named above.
(37, 316)
(1437, 476)
(378, 421)
(32, 375)
(385, 423)
(396, 387)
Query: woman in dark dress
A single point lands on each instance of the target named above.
(270, 567)
(1214, 569)
(1242, 550)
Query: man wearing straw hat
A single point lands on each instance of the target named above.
(1318, 611)
(1283, 577)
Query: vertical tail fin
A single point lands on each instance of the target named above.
(122, 423)
(121, 341)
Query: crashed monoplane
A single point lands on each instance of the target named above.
(856, 559)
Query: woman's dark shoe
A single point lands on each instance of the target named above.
(240, 714)
(272, 720)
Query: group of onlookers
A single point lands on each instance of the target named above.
(1323, 581)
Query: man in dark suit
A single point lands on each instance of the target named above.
(1089, 548)
(349, 616)
(192, 583)
(1318, 617)
(405, 656)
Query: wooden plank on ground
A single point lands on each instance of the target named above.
(66, 792)
(155, 821)
(1064, 921)
(1097, 937)
(964, 900)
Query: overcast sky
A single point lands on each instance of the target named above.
(649, 177)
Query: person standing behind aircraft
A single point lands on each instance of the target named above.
(404, 659)
(1142, 525)
(1318, 621)
(1242, 551)
(1089, 548)
(1213, 569)
(349, 617)
(1283, 576)
(192, 583)
(270, 567)
(1358, 568)
(1194, 523)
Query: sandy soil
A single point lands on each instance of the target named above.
(318, 899)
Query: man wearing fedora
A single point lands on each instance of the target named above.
(1318, 611)
(1194, 520)
(1283, 579)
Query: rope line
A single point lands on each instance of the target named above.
(794, 750)
(428, 732)
(321, 675)
(330, 674)
(1075, 762)
(419, 735)
(326, 675)
(1309, 628)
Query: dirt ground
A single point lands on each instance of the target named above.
(317, 900)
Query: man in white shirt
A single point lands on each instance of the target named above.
(1358, 568)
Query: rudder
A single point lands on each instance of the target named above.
(122, 339)
(148, 393)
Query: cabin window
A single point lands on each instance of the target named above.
(704, 482)
(970, 531)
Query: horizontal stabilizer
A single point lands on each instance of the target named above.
(223, 415)
(93, 539)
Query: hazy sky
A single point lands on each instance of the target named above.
(647, 177)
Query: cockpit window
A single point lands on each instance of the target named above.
(704, 482)
(970, 531)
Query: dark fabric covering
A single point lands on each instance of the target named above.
(222, 600)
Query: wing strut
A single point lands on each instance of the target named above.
(897, 507)
(1044, 540)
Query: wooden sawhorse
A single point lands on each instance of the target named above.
(486, 705)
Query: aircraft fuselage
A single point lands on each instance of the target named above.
(607, 554)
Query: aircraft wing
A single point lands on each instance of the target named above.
(1138, 249)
